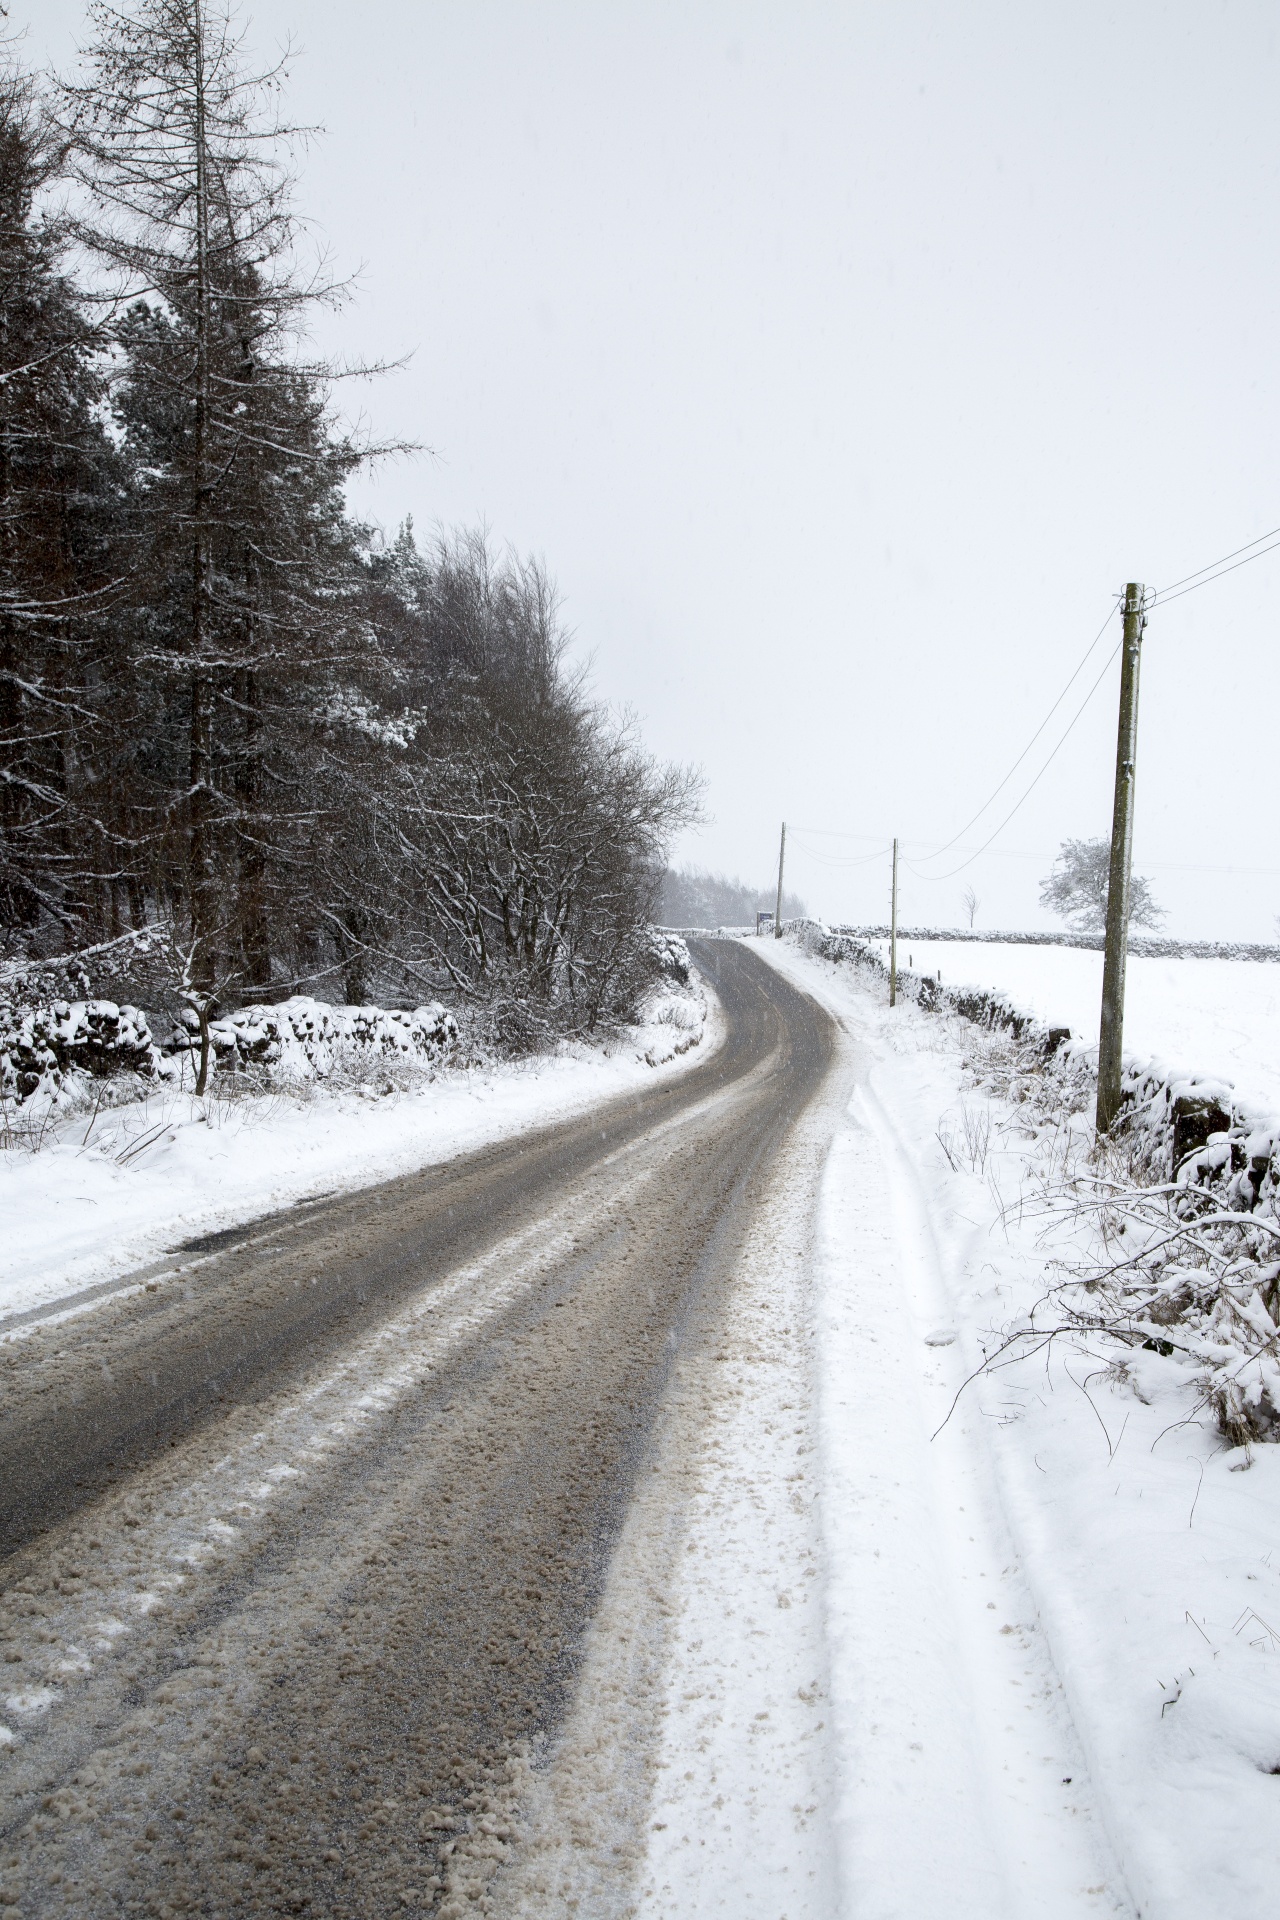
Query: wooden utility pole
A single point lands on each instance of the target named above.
(893, 933)
(782, 854)
(1111, 1032)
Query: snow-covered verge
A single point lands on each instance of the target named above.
(1188, 1192)
(340, 1098)
(1053, 1603)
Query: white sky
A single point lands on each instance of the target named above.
(843, 362)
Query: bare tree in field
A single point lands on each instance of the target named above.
(1076, 889)
(971, 904)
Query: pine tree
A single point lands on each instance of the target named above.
(239, 472)
(59, 497)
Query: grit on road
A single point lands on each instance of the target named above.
(304, 1540)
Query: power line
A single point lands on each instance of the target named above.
(946, 848)
(837, 833)
(1034, 784)
(1165, 593)
(1189, 583)
(834, 860)
(1010, 853)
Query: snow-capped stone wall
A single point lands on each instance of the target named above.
(58, 1048)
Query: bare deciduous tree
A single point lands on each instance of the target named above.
(1077, 887)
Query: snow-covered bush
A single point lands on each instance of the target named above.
(670, 955)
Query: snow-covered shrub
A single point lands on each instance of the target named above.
(670, 955)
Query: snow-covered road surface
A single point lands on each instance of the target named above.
(346, 1502)
(639, 1559)
(112, 1191)
(963, 1783)
(816, 1670)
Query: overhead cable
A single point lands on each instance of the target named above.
(1167, 594)
(836, 860)
(1034, 784)
(947, 846)
(1171, 591)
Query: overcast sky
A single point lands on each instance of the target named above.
(843, 362)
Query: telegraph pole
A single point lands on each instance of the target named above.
(893, 933)
(782, 854)
(1111, 1031)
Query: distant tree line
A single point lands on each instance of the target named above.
(320, 759)
(692, 898)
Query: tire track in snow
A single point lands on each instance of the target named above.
(964, 1787)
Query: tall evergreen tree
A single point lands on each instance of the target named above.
(59, 845)
(243, 546)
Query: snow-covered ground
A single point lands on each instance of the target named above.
(102, 1197)
(1053, 1618)
(877, 1644)
(896, 1641)
(1216, 1018)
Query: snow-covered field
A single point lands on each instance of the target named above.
(102, 1197)
(1217, 1018)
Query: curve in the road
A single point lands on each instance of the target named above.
(314, 1727)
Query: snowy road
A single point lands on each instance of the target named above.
(560, 1531)
(303, 1537)
(816, 1670)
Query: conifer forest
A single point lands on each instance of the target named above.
(245, 738)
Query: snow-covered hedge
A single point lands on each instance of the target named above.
(1203, 1277)
(1154, 946)
(1185, 1124)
